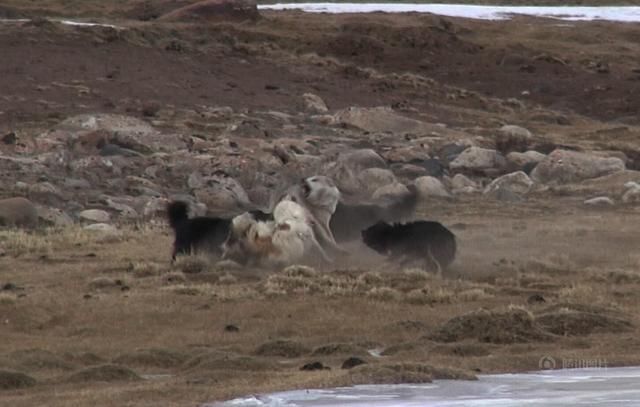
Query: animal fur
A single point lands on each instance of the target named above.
(419, 241)
(319, 196)
(18, 212)
(286, 240)
(348, 221)
(200, 233)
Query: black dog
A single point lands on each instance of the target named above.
(420, 240)
(349, 220)
(202, 232)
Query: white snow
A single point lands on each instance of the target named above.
(626, 14)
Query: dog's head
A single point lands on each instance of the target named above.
(376, 236)
(320, 191)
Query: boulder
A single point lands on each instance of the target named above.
(372, 179)
(222, 194)
(314, 103)
(344, 171)
(430, 187)
(390, 193)
(385, 120)
(463, 184)
(599, 201)
(94, 216)
(18, 212)
(632, 195)
(477, 159)
(518, 161)
(512, 130)
(565, 166)
(516, 182)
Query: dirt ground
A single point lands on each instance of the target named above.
(105, 320)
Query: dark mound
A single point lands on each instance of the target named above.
(338, 349)
(405, 373)
(228, 362)
(15, 380)
(215, 10)
(161, 358)
(104, 373)
(283, 348)
(509, 326)
(568, 322)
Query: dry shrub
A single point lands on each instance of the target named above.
(339, 349)
(142, 269)
(405, 373)
(8, 298)
(225, 361)
(104, 373)
(384, 294)
(192, 264)
(159, 358)
(37, 359)
(430, 296)
(283, 348)
(512, 325)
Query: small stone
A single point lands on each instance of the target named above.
(95, 215)
(231, 328)
(599, 201)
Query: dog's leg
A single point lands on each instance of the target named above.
(434, 262)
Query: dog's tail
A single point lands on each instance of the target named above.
(404, 207)
(177, 212)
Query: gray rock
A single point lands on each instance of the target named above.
(390, 193)
(314, 103)
(478, 159)
(430, 187)
(462, 184)
(517, 182)
(223, 195)
(564, 166)
(515, 131)
(103, 228)
(632, 195)
(384, 119)
(518, 161)
(94, 215)
(372, 179)
(600, 201)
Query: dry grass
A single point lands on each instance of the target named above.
(251, 330)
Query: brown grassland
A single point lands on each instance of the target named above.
(105, 320)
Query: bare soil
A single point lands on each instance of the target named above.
(93, 320)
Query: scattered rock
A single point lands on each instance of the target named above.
(102, 227)
(18, 212)
(352, 362)
(385, 120)
(536, 299)
(515, 131)
(518, 161)
(516, 182)
(565, 166)
(372, 179)
(390, 193)
(462, 184)
(632, 195)
(95, 216)
(314, 103)
(430, 187)
(231, 328)
(601, 201)
(477, 159)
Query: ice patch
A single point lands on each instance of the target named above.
(571, 13)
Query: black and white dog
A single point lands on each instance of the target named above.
(201, 233)
(421, 241)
